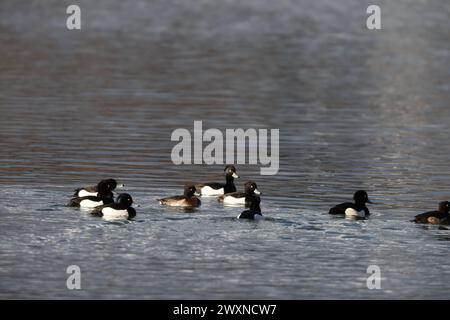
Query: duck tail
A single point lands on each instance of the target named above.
(74, 202)
(75, 192)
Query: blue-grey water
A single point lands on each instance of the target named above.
(356, 109)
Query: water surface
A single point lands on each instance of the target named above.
(356, 109)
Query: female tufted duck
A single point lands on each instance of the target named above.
(441, 216)
(188, 199)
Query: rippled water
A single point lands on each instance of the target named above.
(356, 109)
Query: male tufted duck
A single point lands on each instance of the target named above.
(217, 189)
(104, 196)
(93, 190)
(357, 209)
(244, 198)
(254, 213)
(121, 209)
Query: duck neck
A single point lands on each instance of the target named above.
(188, 194)
(254, 204)
(229, 185)
(360, 204)
(108, 195)
(443, 208)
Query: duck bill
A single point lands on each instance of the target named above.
(368, 201)
(197, 194)
(120, 186)
(257, 191)
(234, 175)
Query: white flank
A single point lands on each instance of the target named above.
(84, 193)
(90, 204)
(233, 200)
(350, 212)
(208, 191)
(112, 214)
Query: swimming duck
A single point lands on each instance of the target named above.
(93, 190)
(104, 196)
(217, 189)
(121, 209)
(188, 199)
(357, 209)
(244, 198)
(254, 212)
(441, 216)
